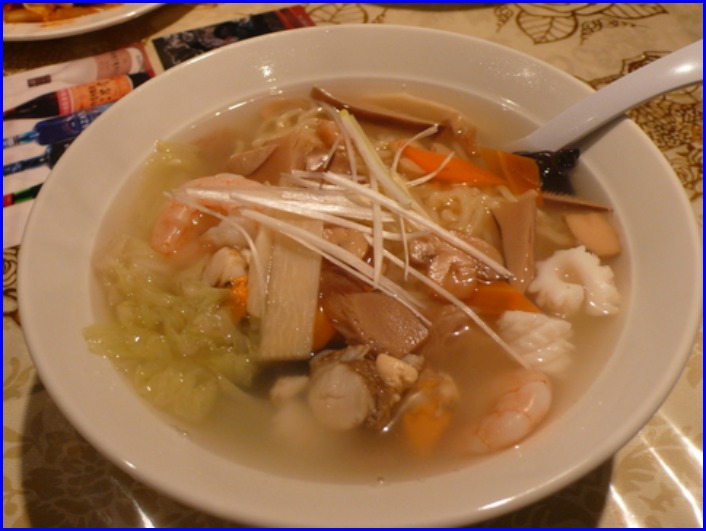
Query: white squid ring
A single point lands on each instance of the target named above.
(572, 279)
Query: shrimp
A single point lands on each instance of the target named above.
(178, 222)
(514, 416)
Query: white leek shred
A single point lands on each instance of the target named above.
(429, 176)
(377, 237)
(285, 199)
(424, 134)
(336, 116)
(393, 185)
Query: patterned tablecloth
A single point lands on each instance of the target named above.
(53, 477)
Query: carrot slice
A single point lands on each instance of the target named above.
(238, 297)
(425, 422)
(323, 330)
(497, 297)
(457, 170)
(424, 427)
(522, 173)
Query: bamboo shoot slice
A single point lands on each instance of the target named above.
(287, 326)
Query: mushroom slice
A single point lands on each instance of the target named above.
(376, 320)
(247, 162)
(572, 201)
(371, 112)
(517, 221)
(595, 231)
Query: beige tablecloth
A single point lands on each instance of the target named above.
(53, 477)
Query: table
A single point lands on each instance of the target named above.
(53, 477)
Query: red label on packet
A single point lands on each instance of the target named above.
(179, 47)
(63, 98)
(294, 17)
(88, 95)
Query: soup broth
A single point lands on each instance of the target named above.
(243, 424)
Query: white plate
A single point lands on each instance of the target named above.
(662, 308)
(37, 31)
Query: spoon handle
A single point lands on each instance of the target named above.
(678, 69)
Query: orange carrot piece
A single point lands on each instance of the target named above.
(457, 170)
(238, 297)
(521, 173)
(491, 157)
(424, 426)
(425, 422)
(323, 330)
(497, 297)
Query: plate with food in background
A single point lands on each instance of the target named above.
(35, 21)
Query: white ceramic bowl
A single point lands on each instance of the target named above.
(662, 307)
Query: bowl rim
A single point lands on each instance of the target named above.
(146, 470)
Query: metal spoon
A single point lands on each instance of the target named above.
(676, 70)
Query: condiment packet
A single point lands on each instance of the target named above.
(21, 186)
(179, 47)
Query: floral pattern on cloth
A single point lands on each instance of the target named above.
(545, 23)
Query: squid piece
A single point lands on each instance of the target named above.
(572, 279)
(541, 340)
